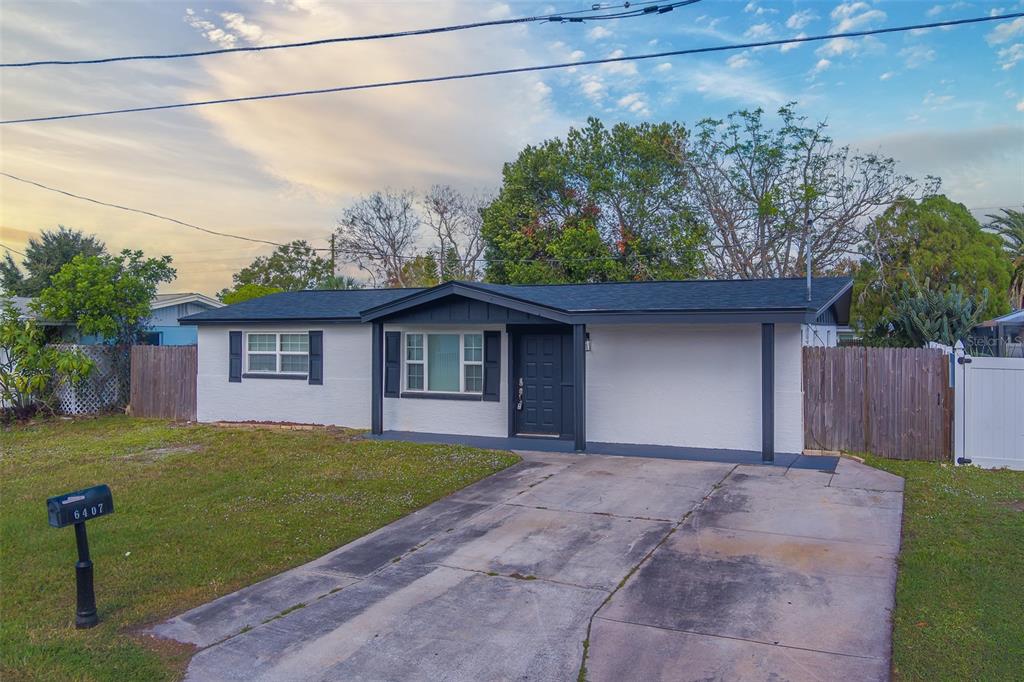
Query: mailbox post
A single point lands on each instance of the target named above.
(74, 509)
(85, 611)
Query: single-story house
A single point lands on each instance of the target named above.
(692, 364)
(162, 328)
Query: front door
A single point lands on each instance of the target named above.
(538, 384)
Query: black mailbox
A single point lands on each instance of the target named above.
(74, 509)
(79, 506)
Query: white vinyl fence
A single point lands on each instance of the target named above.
(989, 409)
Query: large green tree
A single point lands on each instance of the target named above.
(421, 271)
(933, 239)
(44, 257)
(291, 267)
(1010, 226)
(602, 204)
(106, 296)
(245, 292)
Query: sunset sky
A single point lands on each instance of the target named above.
(943, 102)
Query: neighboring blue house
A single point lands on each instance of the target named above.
(163, 328)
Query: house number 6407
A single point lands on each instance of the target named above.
(87, 512)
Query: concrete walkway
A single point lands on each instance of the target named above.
(538, 445)
(670, 570)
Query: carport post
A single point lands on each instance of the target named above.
(377, 382)
(767, 392)
(579, 386)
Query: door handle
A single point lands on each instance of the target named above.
(519, 395)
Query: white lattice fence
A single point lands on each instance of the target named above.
(105, 389)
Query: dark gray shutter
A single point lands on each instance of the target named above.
(234, 356)
(392, 364)
(492, 366)
(316, 358)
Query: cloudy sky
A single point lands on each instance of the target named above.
(943, 102)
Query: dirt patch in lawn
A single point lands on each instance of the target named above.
(156, 454)
(339, 432)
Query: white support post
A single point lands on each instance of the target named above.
(959, 369)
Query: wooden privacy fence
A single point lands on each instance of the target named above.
(893, 402)
(164, 382)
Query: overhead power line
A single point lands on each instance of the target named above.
(730, 244)
(642, 9)
(522, 69)
(20, 253)
(218, 233)
(139, 210)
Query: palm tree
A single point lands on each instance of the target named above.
(340, 282)
(1010, 226)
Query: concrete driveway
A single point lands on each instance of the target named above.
(639, 569)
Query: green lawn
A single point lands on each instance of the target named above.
(200, 511)
(960, 591)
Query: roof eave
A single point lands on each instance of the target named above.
(780, 316)
(268, 320)
(841, 300)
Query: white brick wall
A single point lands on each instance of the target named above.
(343, 400)
(463, 417)
(686, 385)
(691, 385)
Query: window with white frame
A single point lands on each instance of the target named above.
(473, 363)
(444, 363)
(277, 353)
(414, 362)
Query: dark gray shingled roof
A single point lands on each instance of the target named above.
(631, 297)
(691, 295)
(303, 305)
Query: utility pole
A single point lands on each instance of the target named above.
(334, 267)
(440, 259)
(810, 229)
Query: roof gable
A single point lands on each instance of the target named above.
(471, 291)
(167, 300)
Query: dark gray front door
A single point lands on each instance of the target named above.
(539, 384)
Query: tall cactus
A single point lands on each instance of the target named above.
(924, 314)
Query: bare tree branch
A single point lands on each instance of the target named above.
(766, 195)
(378, 233)
(455, 219)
